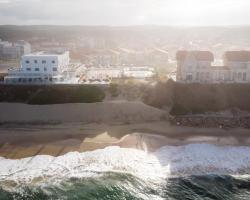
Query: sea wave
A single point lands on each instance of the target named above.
(168, 161)
(87, 164)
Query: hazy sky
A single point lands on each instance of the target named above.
(125, 12)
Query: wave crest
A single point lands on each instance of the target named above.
(169, 160)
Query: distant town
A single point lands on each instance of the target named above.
(98, 60)
(53, 66)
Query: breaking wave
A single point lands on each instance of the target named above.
(193, 171)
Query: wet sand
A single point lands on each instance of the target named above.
(25, 140)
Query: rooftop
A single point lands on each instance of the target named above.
(237, 56)
(47, 53)
(159, 50)
(199, 55)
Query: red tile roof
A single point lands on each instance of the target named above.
(237, 56)
(199, 55)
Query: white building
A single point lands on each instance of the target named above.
(3, 46)
(40, 68)
(15, 50)
(238, 63)
(106, 74)
(196, 66)
(22, 47)
(193, 65)
(138, 72)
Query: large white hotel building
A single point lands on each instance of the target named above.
(40, 68)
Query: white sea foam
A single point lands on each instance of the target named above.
(169, 160)
(76, 164)
(205, 159)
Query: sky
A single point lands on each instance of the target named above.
(125, 12)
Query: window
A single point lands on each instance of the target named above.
(45, 69)
(43, 61)
(36, 69)
(234, 76)
(54, 69)
(207, 75)
(35, 61)
(221, 76)
(27, 61)
(189, 77)
(202, 76)
(28, 69)
(197, 75)
(53, 61)
(230, 76)
(244, 76)
(239, 76)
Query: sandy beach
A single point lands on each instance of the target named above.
(19, 141)
(55, 130)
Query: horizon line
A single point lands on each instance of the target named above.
(124, 26)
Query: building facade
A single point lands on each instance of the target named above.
(101, 73)
(196, 66)
(9, 51)
(238, 63)
(138, 72)
(106, 74)
(40, 68)
(193, 65)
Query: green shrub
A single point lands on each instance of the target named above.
(53, 94)
(113, 89)
(198, 98)
(178, 109)
(87, 94)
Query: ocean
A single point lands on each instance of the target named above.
(194, 171)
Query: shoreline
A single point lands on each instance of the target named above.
(18, 141)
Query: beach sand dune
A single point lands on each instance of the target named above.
(116, 111)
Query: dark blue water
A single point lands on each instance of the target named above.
(115, 186)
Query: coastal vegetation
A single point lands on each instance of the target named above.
(198, 98)
(179, 98)
(56, 94)
(113, 89)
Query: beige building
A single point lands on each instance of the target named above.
(196, 66)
